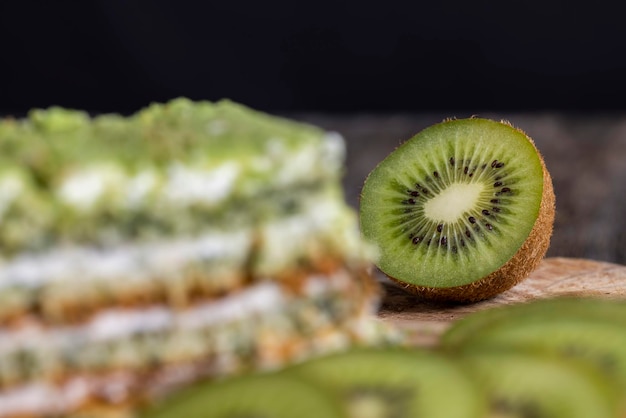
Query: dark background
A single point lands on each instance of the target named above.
(329, 56)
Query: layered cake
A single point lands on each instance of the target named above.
(190, 240)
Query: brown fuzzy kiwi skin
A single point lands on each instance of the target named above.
(518, 268)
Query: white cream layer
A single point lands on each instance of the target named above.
(208, 184)
(117, 323)
(39, 397)
(132, 262)
(327, 219)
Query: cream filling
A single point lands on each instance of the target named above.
(35, 398)
(11, 186)
(210, 185)
(327, 218)
(113, 324)
(117, 323)
(133, 262)
(186, 186)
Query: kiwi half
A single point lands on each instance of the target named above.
(396, 383)
(461, 211)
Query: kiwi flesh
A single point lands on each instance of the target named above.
(601, 344)
(270, 395)
(526, 385)
(396, 383)
(460, 212)
(583, 309)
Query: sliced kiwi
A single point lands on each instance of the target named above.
(252, 396)
(598, 343)
(526, 385)
(562, 308)
(460, 212)
(396, 383)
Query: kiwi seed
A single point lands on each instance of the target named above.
(460, 212)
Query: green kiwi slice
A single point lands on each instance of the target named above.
(461, 211)
(253, 396)
(396, 383)
(571, 308)
(601, 344)
(526, 385)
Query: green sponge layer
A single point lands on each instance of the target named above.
(169, 169)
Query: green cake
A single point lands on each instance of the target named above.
(167, 170)
(187, 241)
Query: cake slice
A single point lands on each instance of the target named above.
(190, 240)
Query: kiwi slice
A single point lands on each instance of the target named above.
(253, 396)
(525, 385)
(601, 344)
(570, 308)
(461, 211)
(396, 383)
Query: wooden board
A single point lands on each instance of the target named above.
(555, 277)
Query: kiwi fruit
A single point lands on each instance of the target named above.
(590, 330)
(597, 343)
(526, 385)
(584, 309)
(396, 383)
(460, 212)
(270, 395)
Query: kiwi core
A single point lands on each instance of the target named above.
(452, 202)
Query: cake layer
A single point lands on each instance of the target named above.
(190, 240)
(67, 177)
(68, 283)
(149, 352)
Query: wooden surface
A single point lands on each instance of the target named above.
(556, 276)
(585, 153)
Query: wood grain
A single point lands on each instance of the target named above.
(557, 276)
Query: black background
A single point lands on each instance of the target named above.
(327, 56)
